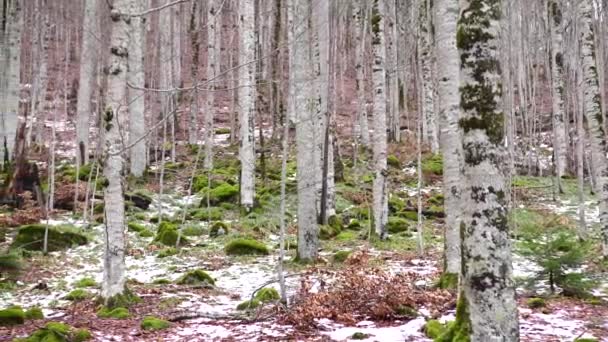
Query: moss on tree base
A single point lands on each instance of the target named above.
(448, 281)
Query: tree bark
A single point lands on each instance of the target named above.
(361, 125)
(488, 292)
(137, 120)
(380, 192)
(557, 85)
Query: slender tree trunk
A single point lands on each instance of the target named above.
(86, 84)
(361, 122)
(114, 115)
(487, 300)
(593, 114)
(137, 119)
(430, 134)
(380, 192)
(212, 40)
(451, 144)
(195, 46)
(247, 103)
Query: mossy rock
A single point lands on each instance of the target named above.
(248, 304)
(432, 164)
(77, 295)
(54, 332)
(167, 252)
(12, 316)
(393, 161)
(535, 303)
(360, 336)
(30, 237)
(167, 234)
(193, 231)
(341, 256)
(327, 232)
(267, 294)
(202, 214)
(246, 247)
(218, 228)
(354, 224)
(153, 323)
(81, 335)
(397, 225)
(10, 262)
(116, 313)
(433, 329)
(224, 192)
(145, 233)
(135, 227)
(85, 282)
(196, 277)
(34, 313)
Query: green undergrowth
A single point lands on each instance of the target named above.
(57, 332)
(264, 295)
(152, 323)
(116, 313)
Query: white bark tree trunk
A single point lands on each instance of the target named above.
(488, 292)
(451, 144)
(212, 39)
(114, 115)
(303, 111)
(195, 47)
(380, 192)
(10, 65)
(557, 85)
(86, 84)
(361, 123)
(137, 120)
(593, 113)
(247, 103)
(430, 134)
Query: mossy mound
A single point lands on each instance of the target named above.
(327, 232)
(246, 247)
(204, 214)
(123, 300)
(12, 316)
(433, 329)
(267, 294)
(341, 256)
(77, 295)
(354, 224)
(360, 336)
(193, 231)
(135, 227)
(161, 281)
(167, 234)
(58, 332)
(145, 233)
(153, 323)
(397, 225)
(167, 252)
(218, 228)
(10, 262)
(408, 215)
(116, 313)
(395, 204)
(85, 282)
(535, 303)
(224, 192)
(196, 277)
(432, 164)
(393, 161)
(34, 313)
(31, 237)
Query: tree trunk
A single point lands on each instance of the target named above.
(247, 103)
(212, 40)
(488, 293)
(115, 113)
(430, 133)
(195, 46)
(86, 84)
(303, 110)
(10, 81)
(361, 123)
(380, 192)
(137, 120)
(593, 114)
(451, 145)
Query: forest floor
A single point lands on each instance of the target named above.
(362, 288)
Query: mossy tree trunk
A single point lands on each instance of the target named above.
(487, 284)
(380, 192)
(114, 278)
(451, 144)
(247, 99)
(593, 112)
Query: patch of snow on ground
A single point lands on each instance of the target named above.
(407, 331)
(539, 326)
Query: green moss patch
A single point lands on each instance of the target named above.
(31, 237)
(167, 252)
(12, 316)
(535, 303)
(264, 295)
(59, 332)
(360, 336)
(34, 313)
(77, 295)
(246, 247)
(196, 277)
(116, 313)
(135, 227)
(85, 282)
(218, 228)
(153, 323)
(192, 231)
(341, 256)
(393, 161)
(432, 165)
(167, 234)
(224, 192)
(448, 281)
(433, 329)
(123, 300)
(397, 225)
(204, 214)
